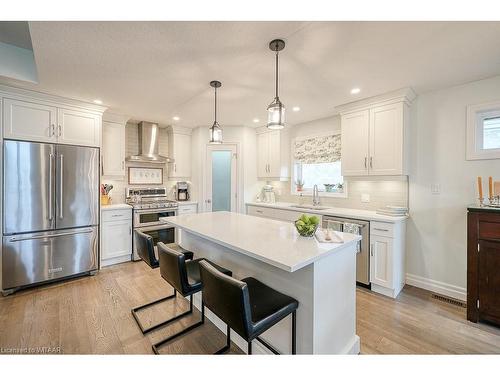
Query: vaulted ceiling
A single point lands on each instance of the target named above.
(157, 70)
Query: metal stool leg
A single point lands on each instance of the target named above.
(156, 346)
(294, 332)
(249, 350)
(228, 342)
(142, 307)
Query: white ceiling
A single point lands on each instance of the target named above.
(157, 70)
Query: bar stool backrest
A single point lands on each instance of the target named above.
(173, 267)
(145, 248)
(228, 298)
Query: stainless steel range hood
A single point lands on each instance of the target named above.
(149, 136)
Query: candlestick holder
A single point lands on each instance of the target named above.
(494, 201)
(481, 202)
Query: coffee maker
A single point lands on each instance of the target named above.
(182, 191)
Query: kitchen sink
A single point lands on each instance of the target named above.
(310, 207)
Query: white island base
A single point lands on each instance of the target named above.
(325, 287)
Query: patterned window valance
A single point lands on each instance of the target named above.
(324, 149)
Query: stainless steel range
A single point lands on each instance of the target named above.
(149, 205)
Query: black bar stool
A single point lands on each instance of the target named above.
(146, 251)
(249, 307)
(184, 277)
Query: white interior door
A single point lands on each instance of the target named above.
(221, 183)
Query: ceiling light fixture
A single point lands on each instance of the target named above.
(97, 101)
(215, 131)
(256, 120)
(296, 109)
(176, 118)
(355, 90)
(276, 110)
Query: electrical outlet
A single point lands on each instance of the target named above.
(435, 189)
(365, 198)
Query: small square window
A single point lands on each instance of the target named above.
(483, 131)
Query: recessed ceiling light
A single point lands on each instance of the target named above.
(355, 90)
(256, 120)
(176, 118)
(296, 109)
(97, 101)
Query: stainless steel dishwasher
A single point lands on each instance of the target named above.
(361, 227)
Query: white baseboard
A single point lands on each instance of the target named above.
(439, 287)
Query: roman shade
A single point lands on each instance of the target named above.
(322, 149)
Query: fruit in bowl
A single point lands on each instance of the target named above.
(306, 225)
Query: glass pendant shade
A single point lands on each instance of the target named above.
(276, 115)
(215, 134)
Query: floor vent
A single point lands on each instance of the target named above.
(449, 300)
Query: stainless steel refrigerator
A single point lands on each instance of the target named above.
(50, 212)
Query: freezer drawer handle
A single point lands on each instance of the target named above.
(61, 209)
(42, 236)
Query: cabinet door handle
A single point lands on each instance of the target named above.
(59, 130)
(371, 162)
(371, 249)
(175, 167)
(366, 162)
(53, 130)
(129, 230)
(123, 165)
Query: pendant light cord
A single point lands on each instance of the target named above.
(277, 69)
(215, 88)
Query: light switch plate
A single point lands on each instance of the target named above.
(435, 189)
(365, 198)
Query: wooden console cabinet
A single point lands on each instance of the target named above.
(483, 265)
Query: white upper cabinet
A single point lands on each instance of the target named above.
(179, 148)
(375, 135)
(29, 121)
(32, 116)
(273, 154)
(113, 145)
(78, 128)
(355, 139)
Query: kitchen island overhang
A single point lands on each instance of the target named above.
(322, 277)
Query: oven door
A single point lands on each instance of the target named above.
(143, 218)
(160, 233)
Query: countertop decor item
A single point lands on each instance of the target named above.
(299, 184)
(276, 110)
(306, 225)
(215, 129)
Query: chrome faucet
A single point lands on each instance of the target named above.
(315, 195)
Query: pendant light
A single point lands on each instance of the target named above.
(276, 110)
(215, 131)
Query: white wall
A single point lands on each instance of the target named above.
(436, 233)
(246, 140)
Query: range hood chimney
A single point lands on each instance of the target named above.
(149, 136)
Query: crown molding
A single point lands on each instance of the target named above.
(406, 95)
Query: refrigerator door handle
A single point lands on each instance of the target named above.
(51, 192)
(61, 193)
(42, 236)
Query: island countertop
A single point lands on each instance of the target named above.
(273, 242)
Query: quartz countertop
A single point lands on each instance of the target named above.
(118, 206)
(273, 242)
(333, 211)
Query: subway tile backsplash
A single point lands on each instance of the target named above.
(382, 192)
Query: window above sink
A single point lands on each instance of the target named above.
(316, 161)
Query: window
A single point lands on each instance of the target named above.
(316, 161)
(483, 131)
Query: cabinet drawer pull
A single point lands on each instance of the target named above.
(117, 215)
(259, 211)
(382, 230)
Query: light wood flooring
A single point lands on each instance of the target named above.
(92, 315)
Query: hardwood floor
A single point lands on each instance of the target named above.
(92, 315)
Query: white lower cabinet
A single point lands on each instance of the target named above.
(277, 214)
(185, 208)
(387, 257)
(116, 245)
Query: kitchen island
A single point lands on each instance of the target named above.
(322, 277)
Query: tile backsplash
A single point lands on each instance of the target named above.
(382, 192)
